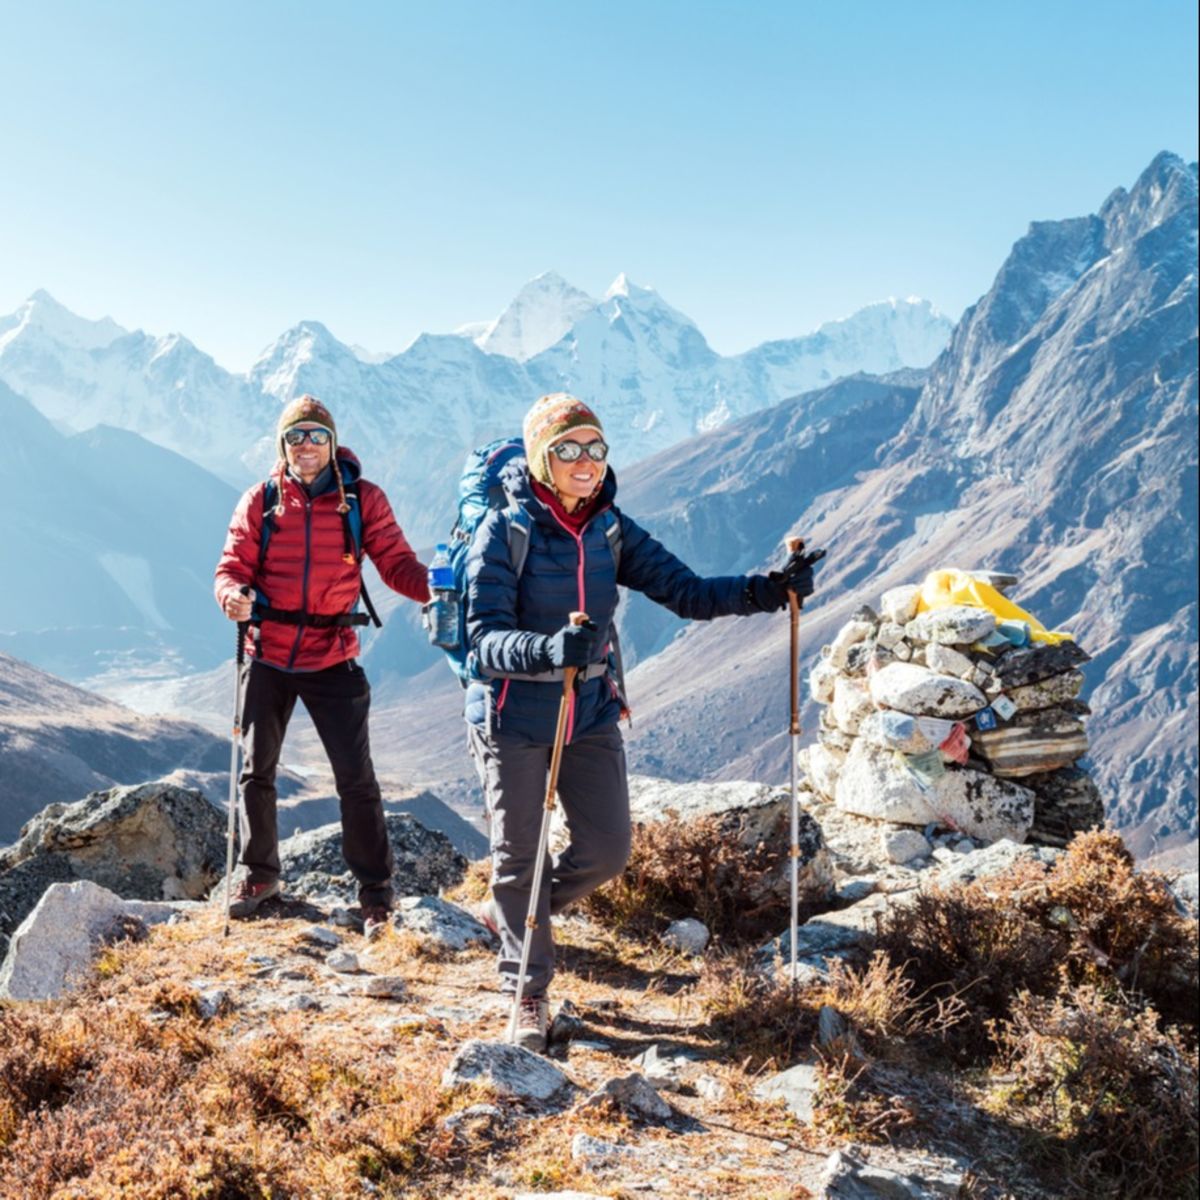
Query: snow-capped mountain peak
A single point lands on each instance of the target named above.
(538, 317)
(42, 315)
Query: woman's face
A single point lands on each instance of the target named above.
(579, 479)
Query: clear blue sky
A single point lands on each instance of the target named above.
(227, 169)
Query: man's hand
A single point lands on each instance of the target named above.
(237, 606)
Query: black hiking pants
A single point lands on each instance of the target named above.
(338, 699)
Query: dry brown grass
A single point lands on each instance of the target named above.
(1108, 1096)
(1089, 919)
(695, 869)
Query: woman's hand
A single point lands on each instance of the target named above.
(572, 646)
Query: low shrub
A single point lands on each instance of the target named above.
(696, 869)
(1109, 1097)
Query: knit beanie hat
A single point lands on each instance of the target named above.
(308, 410)
(551, 418)
(301, 410)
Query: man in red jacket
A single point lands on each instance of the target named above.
(302, 597)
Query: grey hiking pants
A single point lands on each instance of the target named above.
(594, 793)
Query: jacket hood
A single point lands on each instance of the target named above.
(516, 482)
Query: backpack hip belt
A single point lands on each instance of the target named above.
(295, 616)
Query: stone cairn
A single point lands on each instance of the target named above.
(952, 718)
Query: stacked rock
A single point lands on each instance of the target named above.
(953, 717)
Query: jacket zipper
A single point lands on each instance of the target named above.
(304, 584)
(580, 577)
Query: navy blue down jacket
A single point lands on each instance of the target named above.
(510, 620)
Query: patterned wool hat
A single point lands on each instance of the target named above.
(308, 410)
(550, 419)
(301, 410)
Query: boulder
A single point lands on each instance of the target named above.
(899, 604)
(54, 945)
(1047, 693)
(796, 1087)
(983, 806)
(441, 922)
(510, 1070)
(989, 861)
(1066, 802)
(746, 814)
(948, 661)
(1032, 743)
(821, 679)
(845, 1177)
(632, 1095)
(904, 845)
(889, 634)
(153, 841)
(955, 625)
(821, 765)
(851, 703)
(891, 730)
(426, 861)
(909, 688)
(872, 783)
(1032, 664)
(849, 635)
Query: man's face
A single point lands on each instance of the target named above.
(305, 458)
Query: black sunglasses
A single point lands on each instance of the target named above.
(572, 451)
(297, 437)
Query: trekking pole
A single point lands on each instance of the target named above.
(560, 735)
(795, 545)
(233, 757)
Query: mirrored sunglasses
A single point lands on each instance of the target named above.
(297, 437)
(568, 451)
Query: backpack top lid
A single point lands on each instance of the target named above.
(479, 487)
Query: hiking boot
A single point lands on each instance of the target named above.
(533, 1022)
(248, 896)
(376, 918)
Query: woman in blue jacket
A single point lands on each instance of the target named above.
(580, 546)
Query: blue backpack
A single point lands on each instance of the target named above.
(479, 493)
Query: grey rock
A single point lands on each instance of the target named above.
(152, 841)
(902, 650)
(887, 637)
(912, 689)
(52, 949)
(846, 1177)
(631, 1094)
(903, 845)
(796, 1087)
(855, 890)
(211, 1002)
(899, 604)
(441, 922)
(831, 1025)
(321, 936)
(661, 1072)
(821, 680)
(709, 1087)
(510, 1070)
(382, 987)
(302, 1002)
(948, 661)
(1067, 802)
(1047, 693)
(849, 635)
(1185, 889)
(872, 784)
(568, 1195)
(1032, 743)
(984, 806)
(831, 932)
(566, 1025)
(821, 764)
(956, 625)
(688, 936)
(1002, 581)
(484, 1115)
(1040, 661)
(989, 861)
(851, 704)
(426, 861)
(596, 1153)
(345, 962)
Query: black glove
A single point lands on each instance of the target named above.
(797, 573)
(572, 645)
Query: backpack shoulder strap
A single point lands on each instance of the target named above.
(517, 522)
(270, 498)
(613, 535)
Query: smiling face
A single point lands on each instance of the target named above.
(306, 460)
(576, 481)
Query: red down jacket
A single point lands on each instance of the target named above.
(304, 567)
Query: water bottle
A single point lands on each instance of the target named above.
(443, 623)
